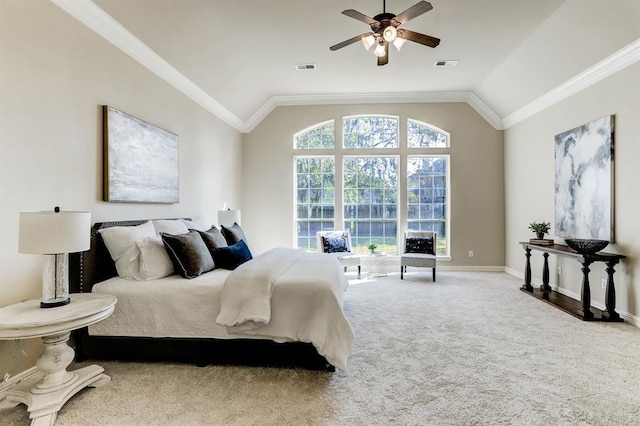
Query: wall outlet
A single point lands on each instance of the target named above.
(470, 253)
(604, 283)
(559, 270)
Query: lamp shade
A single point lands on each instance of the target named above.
(389, 34)
(48, 232)
(229, 217)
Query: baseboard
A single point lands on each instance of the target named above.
(631, 319)
(471, 268)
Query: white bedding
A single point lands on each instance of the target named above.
(306, 306)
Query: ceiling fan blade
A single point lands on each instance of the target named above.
(359, 16)
(348, 42)
(415, 10)
(419, 38)
(384, 60)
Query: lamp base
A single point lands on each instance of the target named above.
(55, 303)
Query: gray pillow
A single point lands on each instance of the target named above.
(233, 234)
(189, 254)
(213, 238)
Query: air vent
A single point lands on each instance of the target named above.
(304, 67)
(445, 63)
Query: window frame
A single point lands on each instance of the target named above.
(447, 203)
(295, 197)
(387, 116)
(402, 152)
(398, 159)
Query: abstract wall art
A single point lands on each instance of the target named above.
(584, 181)
(140, 160)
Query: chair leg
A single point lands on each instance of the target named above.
(402, 268)
(359, 267)
(434, 274)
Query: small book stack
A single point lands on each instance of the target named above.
(544, 242)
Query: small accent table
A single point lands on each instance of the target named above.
(46, 390)
(581, 309)
(378, 265)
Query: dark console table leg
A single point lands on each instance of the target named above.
(610, 313)
(527, 270)
(585, 311)
(545, 274)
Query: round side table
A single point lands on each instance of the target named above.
(378, 265)
(46, 389)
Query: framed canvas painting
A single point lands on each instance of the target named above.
(584, 181)
(140, 160)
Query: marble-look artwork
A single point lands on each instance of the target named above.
(141, 161)
(584, 181)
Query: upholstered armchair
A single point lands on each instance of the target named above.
(419, 250)
(338, 244)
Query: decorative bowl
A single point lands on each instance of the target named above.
(586, 246)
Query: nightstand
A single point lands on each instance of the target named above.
(46, 388)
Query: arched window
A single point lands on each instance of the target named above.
(318, 136)
(369, 159)
(370, 131)
(428, 183)
(423, 135)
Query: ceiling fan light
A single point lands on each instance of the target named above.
(368, 41)
(399, 42)
(380, 51)
(389, 34)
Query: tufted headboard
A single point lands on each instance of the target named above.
(94, 265)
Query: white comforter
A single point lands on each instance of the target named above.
(305, 305)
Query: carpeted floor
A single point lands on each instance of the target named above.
(469, 350)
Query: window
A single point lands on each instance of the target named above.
(370, 159)
(370, 132)
(422, 135)
(427, 197)
(371, 202)
(320, 136)
(315, 198)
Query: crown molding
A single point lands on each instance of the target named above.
(621, 59)
(111, 30)
(373, 98)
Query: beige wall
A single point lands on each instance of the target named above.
(54, 76)
(529, 189)
(477, 204)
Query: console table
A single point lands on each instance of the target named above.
(582, 308)
(46, 390)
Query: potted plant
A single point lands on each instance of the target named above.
(540, 228)
(372, 247)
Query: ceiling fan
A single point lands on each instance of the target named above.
(384, 30)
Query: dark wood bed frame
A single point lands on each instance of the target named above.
(96, 265)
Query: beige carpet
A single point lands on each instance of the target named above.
(469, 350)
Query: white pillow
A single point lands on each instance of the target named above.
(154, 259)
(194, 224)
(170, 226)
(119, 239)
(128, 264)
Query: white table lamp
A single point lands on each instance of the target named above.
(229, 217)
(54, 234)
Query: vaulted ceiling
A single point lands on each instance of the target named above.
(237, 58)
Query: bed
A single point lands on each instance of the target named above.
(282, 308)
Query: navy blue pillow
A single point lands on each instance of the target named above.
(419, 245)
(334, 244)
(232, 256)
